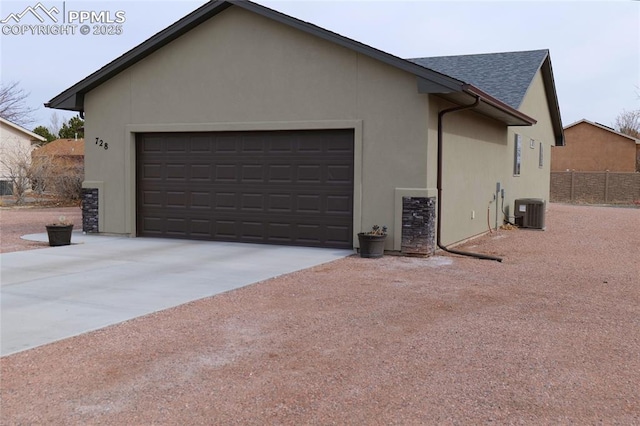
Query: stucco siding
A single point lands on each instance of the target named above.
(108, 107)
(241, 71)
(533, 181)
(474, 149)
(591, 148)
(478, 153)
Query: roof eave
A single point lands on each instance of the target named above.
(70, 99)
(65, 99)
(552, 100)
(504, 113)
(33, 136)
(603, 127)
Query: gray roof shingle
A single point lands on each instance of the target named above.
(506, 76)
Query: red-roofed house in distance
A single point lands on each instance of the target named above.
(61, 165)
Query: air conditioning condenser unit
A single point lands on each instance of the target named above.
(529, 213)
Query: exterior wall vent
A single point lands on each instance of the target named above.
(529, 213)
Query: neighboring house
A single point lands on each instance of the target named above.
(62, 153)
(239, 123)
(16, 144)
(58, 168)
(593, 147)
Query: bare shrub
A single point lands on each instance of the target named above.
(39, 174)
(66, 182)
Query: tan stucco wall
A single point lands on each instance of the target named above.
(589, 148)
(474, 149)
(533, 182)
(478, 152)
(240, 71)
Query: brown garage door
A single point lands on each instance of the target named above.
(280, 187)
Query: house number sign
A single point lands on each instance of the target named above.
(101, 143)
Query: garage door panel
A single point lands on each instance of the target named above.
(281, 145)
(176, 226)
(200, 228)
(290, 187)
(339, 146)
(339, 204)
(251, 230)
(200, 172)
(225, 144)
(280, 203)
(310, 233)
(335, 234)
(152, 144)
(226, 173)
(225, 230)
(252, 173)
(176, 171)
(225, 201)
(200, 144)
(152, 225)
(252, 202)
(339, 174)
(297, 232)
(309, 173)
(151, 199)
(312, 145)
(280, 232)
(200, 200)
(253, 143)
(176, 146)
(242, 200)
(280, 173)
(177, 199)
(152, 171)
(309, 203)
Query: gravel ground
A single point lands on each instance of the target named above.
(549, 336)
(18, 221)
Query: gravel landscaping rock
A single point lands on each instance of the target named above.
(549, 336)
(18, 221)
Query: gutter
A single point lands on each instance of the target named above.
(498, 104)
(439, 184)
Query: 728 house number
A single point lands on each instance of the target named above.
(101, 143)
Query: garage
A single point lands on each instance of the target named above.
(273, 187)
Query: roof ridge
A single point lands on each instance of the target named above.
(507, 75)
(603, 127)
(481, 54)
(22, 129)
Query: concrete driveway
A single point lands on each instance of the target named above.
(59, 292)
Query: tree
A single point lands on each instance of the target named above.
(45, 133)
(72, 129)
(628, 122)
(13, 105)
(54, 123)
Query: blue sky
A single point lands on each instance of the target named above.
(595, 46)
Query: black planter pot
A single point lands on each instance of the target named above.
(59, 235)
(371, 246)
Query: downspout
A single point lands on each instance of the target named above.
(439, 184)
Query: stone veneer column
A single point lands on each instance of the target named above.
(418, 225)
(90, 210)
